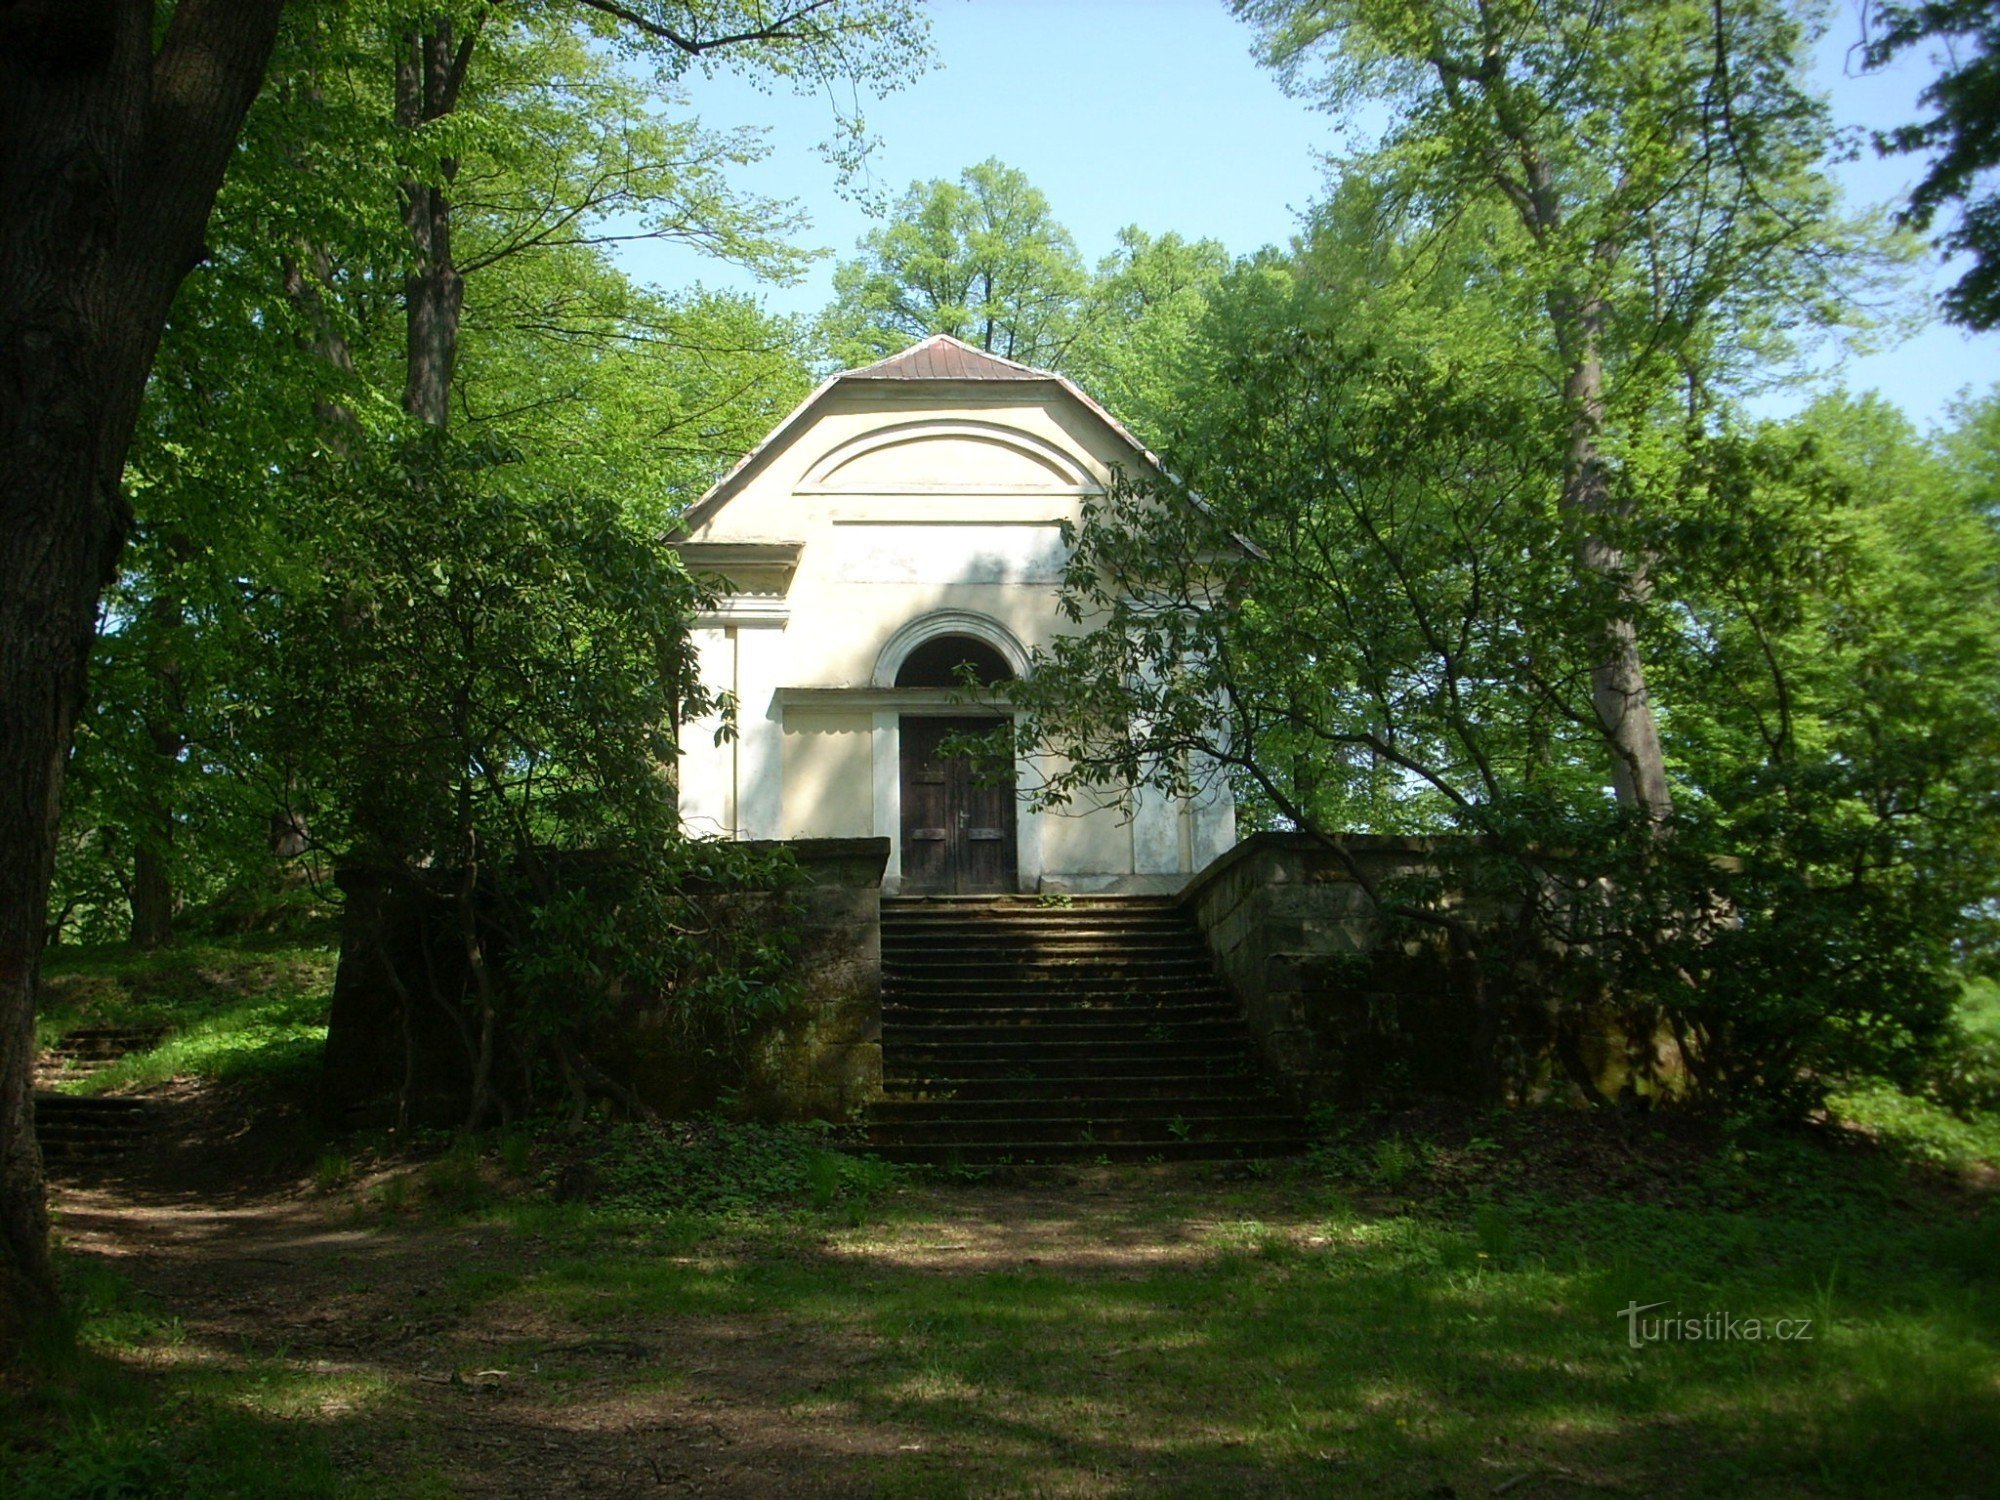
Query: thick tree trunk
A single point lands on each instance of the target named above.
(110, 157)
(429, 72)
(1618, 680)
(153, 887)
(152, 893)
(1578, 319)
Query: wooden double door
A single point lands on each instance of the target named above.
(958, 812)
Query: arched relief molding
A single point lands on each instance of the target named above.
(1065, 474)
(889, 661)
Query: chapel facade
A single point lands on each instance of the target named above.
(903, 522)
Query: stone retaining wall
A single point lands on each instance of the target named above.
(1335, 1014)
(820, 1060)
(824, 1061)
(1341, 1011)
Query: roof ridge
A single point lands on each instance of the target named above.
(944, 356)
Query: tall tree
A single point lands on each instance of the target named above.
(982, 259)
(1961, 137)
(114, 135)
(1139, 322)
(1659, 164)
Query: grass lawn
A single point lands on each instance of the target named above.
(1429, 1304)
(237, 1009)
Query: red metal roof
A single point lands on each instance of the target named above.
(942, 357)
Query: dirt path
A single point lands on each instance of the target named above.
(296, 1281)
(368, 1317)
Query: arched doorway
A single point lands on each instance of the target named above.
(958, 814)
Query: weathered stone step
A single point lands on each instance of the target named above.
(1005, 924)
(107, 1043)
(1055, 989)
(1020, 963)
(1019, 1153)
(1074, 1073)
(933, 1035)
(1039, 905)
(1015, 1048)
(1141, 1009)
(1034, 1091)
(1077, 1127)
(1010, 929)
(73, 1127)
(1043, 945)
(1015, 963)
(1210, 1105)
(92, 1104)
(1086, 1133)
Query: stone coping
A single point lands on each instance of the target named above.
(1276, 842)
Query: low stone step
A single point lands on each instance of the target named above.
(901, 956)
(933, 1035)
(1050, 991)
(92, 1104)
(1039, 905)
(1128, 1107)
(1029, 1153)
(998, 934)
(953, 959)
(1085, 1137)
(1026, 1046)
(1015, 929)
(933, 1009)
(1180, 1086)
(1085, 1133)
(72, 1127)
(1021, 1059)
(107, 1042)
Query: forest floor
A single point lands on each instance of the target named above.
(1433, 1302)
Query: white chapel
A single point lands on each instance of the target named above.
(904, 520)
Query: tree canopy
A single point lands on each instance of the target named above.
(981, 259)
(406, 276)
(1961, 137)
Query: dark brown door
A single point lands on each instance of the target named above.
(958, 816)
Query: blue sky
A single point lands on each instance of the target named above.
(1152, 112)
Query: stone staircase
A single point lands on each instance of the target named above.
(81, 1129)
(1014, 1030)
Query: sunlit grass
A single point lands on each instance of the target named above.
(1396, 1313)
(1139, 1341)
(1294, 1350)
(232, 1011)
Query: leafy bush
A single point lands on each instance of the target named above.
(716, 1167)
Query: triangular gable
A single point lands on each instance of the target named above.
(940, 358)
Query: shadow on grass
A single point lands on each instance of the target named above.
(1334, 1350)
(1143, 1333)
(117, 1402)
